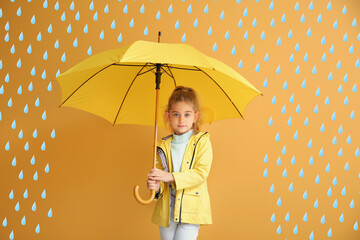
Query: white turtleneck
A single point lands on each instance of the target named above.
(178, 146)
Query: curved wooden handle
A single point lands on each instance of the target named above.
(139, 199)
(136, 188)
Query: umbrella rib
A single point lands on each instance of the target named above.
(147, 71)
(222, 91)
(171, 74)
(190, 69)
(128, 92)
(85, 82)
(128, 65)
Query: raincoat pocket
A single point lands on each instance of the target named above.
(190, 202)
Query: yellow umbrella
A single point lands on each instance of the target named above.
(118, 85)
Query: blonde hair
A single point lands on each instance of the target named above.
(188, 95)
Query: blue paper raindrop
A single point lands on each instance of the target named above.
(335, 25)
(316, 109)
(214, 48)
(344, 10)
(222, 15)
(254, 23)
(18, 11)
(245, 13)
(352, 203)
(305, 194)
(262, 35)
(305, 218)
(290, 34)
(50, 213)
(189, 10)
(158, 15)
(297, 48)
(43, 195)
(266, 158)
(209, 31)
(277, 137)
(283, 18)
(296, 135)
(47, 168)
(329, 6)
(146, 31)
(18, 64)
(233, 52)
(272, 23)
(352, 114)
(63, 17)
(278, 161)
(316, 204)
(12, 49)
(302, 19)
(183, 39)
(246, 35)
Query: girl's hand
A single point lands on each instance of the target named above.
(153, 185)
(160, 175)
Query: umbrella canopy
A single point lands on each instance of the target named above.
(118, 84)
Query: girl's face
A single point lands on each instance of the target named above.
(181, 117)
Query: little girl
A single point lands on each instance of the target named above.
(180, 178)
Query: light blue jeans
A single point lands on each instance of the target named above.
(178, 231)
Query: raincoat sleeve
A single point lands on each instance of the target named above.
(202, 164)
(162, 184)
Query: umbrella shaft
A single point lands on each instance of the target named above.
(158, 75)
(155, 128)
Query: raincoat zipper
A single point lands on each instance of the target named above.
(182, 195)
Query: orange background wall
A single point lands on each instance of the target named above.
(289, 171)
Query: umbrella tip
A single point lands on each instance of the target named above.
(159, 35)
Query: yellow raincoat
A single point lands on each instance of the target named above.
(192, 203)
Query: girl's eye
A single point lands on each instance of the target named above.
(187, 115)
(175, 114)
